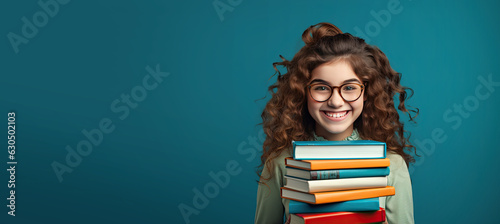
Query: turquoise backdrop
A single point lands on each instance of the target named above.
(133, 111)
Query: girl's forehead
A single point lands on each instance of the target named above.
(336, 72)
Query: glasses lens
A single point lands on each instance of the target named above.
(320, 92)
(350, 92)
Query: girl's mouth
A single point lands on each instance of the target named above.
(336, 115)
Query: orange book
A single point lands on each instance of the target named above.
(337, 196)
(336, 163)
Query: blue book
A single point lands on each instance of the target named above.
(369, 204)
(336, 174)
(360, 149)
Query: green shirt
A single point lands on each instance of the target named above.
(398, 208)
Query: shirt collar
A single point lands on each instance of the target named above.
(352, 137)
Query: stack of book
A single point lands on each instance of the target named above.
(337, 181)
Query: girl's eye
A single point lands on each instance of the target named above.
(321, 88)
(349, 88)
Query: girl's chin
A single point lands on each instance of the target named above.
(335, 134)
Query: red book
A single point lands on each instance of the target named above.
(338, 217)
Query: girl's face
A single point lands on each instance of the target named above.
(334, 117)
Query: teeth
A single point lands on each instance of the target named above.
(336, 115)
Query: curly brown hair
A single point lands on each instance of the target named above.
(286, 117)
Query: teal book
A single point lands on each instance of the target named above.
(336, 174)
(359, 149)
(369, 204)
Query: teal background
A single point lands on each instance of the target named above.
(204, 115)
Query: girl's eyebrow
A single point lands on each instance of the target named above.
(352, 80)
(325, 82)
(320, 81)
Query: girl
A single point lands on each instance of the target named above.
(337, 87)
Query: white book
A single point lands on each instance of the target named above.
(313, 186)
(359, 149)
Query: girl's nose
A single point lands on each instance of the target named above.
(336, 100)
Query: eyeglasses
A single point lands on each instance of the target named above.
(321, 92)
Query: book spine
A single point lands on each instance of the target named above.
(369, 172)
(344, 184)
(370, 204)
(328, 197)
(344, 217)
(345, 164)
(349, 173)
(324, 174)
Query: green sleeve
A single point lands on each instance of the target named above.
(399, 207)
(270, 207)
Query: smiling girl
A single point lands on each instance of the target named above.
(336, 88)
